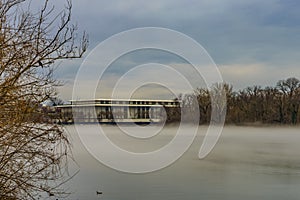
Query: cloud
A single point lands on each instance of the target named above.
(242, 76)
(239, 75)
(232, 31)
(254, 42)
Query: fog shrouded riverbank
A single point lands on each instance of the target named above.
(247, 163)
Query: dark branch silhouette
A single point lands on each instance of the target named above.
(33, 151)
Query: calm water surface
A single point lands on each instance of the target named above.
(247, 163)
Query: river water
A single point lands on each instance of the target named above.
(247, 163)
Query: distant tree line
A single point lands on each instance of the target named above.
(268, 105)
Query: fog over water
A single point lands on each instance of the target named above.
(247, 163)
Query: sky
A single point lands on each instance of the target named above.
(251, 42)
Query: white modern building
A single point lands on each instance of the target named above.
(116, 110)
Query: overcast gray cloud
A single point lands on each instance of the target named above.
(253, 42)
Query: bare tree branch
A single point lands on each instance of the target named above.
(32, 149)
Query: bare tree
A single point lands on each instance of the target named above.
(278, 104)
(32, 152)
(219, 93)
(204, 102)
(289, 99)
